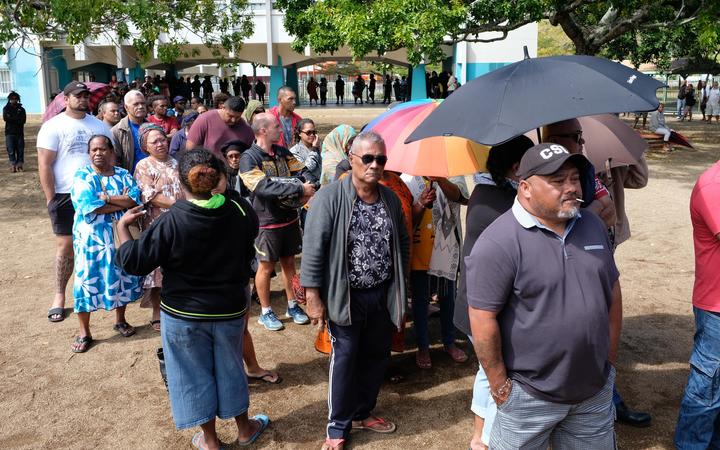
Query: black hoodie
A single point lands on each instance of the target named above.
(205, 257)
(14, 117)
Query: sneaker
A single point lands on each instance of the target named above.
(297, 315)
(270, 321)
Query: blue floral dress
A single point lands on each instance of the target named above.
(98, 282)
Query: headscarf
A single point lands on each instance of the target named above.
(334, 150)
(145, 130)
(250, 109)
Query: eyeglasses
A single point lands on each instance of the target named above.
(310, 132)
(158, 142)
(575, 137)
(368, 159)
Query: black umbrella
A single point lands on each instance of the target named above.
(528, 94)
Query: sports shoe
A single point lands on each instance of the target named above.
(297, 315)
(270, 321)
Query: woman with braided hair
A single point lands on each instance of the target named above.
(203, 305)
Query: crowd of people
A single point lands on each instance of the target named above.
(706, 95)
(397, 87)
(138, 195)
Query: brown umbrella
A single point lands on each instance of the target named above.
(608, 140)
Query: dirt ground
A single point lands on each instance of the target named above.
(112, 397)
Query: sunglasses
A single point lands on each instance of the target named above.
(368, 159)
(310, 133)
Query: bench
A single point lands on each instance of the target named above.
(655, 141)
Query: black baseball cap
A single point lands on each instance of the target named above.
(547, 158)
(75, 87)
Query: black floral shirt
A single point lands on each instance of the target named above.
(369, 254)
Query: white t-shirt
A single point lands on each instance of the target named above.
(69, 138)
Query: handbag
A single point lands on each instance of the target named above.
(134, 228)
(322, 341)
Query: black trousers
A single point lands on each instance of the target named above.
(360, 354)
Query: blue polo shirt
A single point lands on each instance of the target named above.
(552, 294)
(139, 154)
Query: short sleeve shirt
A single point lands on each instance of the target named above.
(705, 217)
(287, 128)
(369, 254)
(139, 154)
(552, 295)
(168, 124)
(211, 132)
(69, 138)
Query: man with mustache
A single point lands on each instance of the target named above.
(62, 147)
(545, 311)
(610, 207)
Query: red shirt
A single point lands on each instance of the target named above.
(275, 111)
(705, 216)
(168, 124)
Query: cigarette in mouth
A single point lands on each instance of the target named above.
(580, 200)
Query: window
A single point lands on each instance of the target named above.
(82, 76)
(5, 82)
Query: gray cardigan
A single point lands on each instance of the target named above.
(324, 255)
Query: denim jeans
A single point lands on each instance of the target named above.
(15, 148)
(483, 405)
(697, 426)
(205, 373)
(420, 283)
(680, 107)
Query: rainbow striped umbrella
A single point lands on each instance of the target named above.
(439, 156)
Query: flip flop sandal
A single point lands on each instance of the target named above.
(155, 325)
(196, 441)
(267, 377)
(333, 444)
(423, 360)
(264, 422)
(81, 344)
(371, 425)
(56, 312)
(124, 329)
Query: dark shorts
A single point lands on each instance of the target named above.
(61, 213)
(275, 243)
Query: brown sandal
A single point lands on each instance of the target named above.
(124, 329)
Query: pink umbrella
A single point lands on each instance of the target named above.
(436, 156)
(98, 91)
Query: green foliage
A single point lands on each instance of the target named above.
(697, 41)
(553, 41)
(221, 25)
(424, 26)
(373, 27)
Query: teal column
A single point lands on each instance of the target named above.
(136, 72)
(419, 89)
(277, 80)
(57, 60)
(120, 74)
(291, 79)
